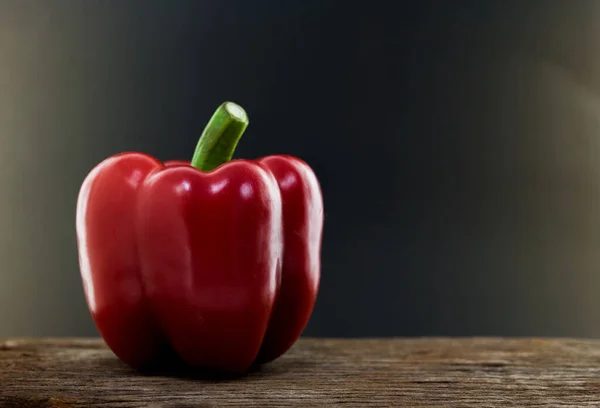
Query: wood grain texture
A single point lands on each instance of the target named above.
(469, 372)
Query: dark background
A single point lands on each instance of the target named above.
(457, 144)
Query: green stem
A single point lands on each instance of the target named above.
(220, 137)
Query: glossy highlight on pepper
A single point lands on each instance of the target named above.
(214, 261)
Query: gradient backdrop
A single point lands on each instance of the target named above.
(457, 143)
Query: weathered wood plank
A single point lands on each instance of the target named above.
(474, 372)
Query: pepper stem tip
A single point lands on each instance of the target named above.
(220, 137)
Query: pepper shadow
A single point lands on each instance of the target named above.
(170, 365)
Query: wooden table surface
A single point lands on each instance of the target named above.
(429, 372)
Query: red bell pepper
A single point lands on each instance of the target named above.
(217, 263)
